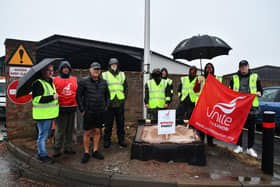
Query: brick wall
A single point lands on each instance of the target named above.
(19, 117)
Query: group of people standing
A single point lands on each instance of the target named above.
(101, 99)
(159, 91)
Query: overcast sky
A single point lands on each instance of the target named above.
(251, 27)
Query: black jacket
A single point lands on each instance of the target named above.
(92, 95)
(38, 90)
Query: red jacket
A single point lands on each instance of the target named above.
(66, 89)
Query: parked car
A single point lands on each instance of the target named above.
(270, 101)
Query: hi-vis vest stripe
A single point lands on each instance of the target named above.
(115, 84)
(252, 85)
(170, 82)
(187, 89)
(49, 110)
(157, 98)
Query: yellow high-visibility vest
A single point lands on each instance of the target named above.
(157, 97)
(252, 85)
(187, 89)
(41, 111)
(115, 84)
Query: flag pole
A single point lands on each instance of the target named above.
(146, 63)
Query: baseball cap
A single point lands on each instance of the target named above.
(243, 63)
(95, 65)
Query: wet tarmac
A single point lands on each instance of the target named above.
(10, 173)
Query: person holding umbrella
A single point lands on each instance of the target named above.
(245, 81)
(164, 75)
(93, 100)
(188, 97)
(66, 86)
(157, 94)
(45, 109)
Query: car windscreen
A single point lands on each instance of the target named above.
(271, 95)
(2, 89)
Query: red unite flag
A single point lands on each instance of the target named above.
(220, 111)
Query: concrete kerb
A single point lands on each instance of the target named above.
(69, 176)
(57, 172)
(126, 181)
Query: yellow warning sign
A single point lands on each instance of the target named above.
(21, 57)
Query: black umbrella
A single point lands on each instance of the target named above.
(201, 47)
(25, 83)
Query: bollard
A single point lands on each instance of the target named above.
(267, 146)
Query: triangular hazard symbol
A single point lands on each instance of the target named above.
(21, 57)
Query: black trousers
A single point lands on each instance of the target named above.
(111, 114)
(184, 110)
(209, 138)
(251, 125)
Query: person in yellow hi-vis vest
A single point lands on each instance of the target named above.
(164, 75)
(45, 109)
(208, 69)
(157, 94)
(117, 85)
(187, 96)
(246, 81)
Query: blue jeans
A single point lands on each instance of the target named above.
(43, 132)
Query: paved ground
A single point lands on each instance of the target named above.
(257, 146)
(10, 174)
(223, 166)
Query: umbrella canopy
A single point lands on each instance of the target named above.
(25, 83)
(201, 47)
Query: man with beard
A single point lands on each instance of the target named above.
(66, 87)
(164, 75)
(246, 81)
(187, 95)
(157, 94)
(117, 85)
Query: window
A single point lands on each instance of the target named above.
(271, 95)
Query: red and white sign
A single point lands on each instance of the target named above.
(220, 111)
(11, 92)
(17, 71)
(166, 121)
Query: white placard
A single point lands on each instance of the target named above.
(166, 121)
(18, 71)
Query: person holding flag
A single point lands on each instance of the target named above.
(208, 69)
(245, 81)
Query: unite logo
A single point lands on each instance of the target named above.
(221, 119)
(66, 90)
(166, 115)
